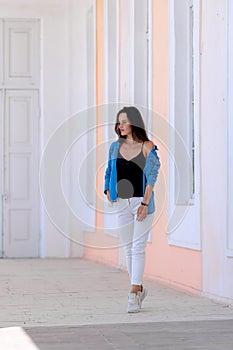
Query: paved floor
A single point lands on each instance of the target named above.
(212, 335)
(78, 304)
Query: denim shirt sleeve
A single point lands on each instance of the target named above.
(111, 172)
(152, 166)
(108, 171)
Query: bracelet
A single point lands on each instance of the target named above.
(145, 205)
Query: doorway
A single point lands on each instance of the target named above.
(20, 130)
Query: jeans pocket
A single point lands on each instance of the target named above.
(136, 202)
(113, 206)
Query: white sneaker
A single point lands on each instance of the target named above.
(142, 296)
(133, 302)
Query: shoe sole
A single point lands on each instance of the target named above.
(133, 311)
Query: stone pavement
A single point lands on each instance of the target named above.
(213, 335)
(78, 304)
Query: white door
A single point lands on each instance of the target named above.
(21, 224)
(20, 130)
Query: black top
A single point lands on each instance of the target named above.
(130, 176)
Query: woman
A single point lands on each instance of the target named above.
(129, 180)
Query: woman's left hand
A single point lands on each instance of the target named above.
(142, 212)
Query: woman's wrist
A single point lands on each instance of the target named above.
(144, 204)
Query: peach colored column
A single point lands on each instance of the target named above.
(174, 265)
(99, 239)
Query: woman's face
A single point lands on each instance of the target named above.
(124, 125)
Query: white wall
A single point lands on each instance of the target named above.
(217, 266)
(230, 130)
(64, 90)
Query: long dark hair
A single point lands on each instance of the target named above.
(136, 122)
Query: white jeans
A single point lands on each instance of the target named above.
(133, 236)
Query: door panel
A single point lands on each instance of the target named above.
(20, 224)
(21, 52)
(19, 185)
(21, 212)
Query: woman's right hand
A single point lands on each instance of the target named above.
(108, 196)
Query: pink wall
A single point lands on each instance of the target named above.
(174, 265)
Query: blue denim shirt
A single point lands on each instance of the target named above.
(150, 173)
